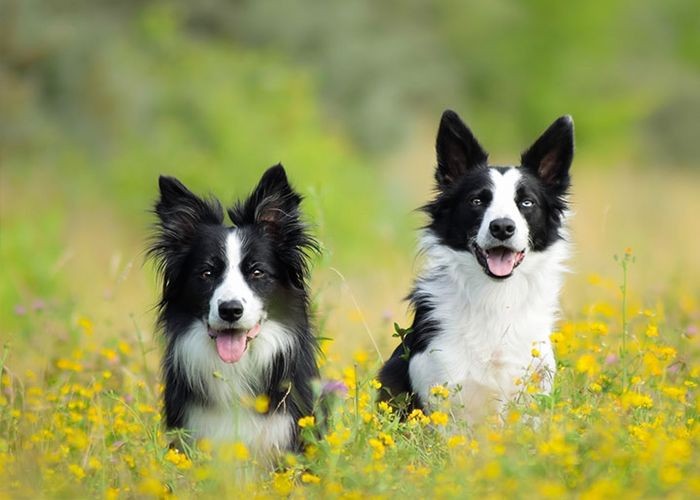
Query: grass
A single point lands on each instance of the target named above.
(80, 399)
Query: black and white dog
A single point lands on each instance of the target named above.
(487, 300)
(235, 313)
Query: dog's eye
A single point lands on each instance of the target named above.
(527, 203)
(207, 274)
(476, 202)
(257, 273)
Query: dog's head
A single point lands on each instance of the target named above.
(232, 278)
(500, 214)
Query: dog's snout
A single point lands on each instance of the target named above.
(502, 229)
(230, 310)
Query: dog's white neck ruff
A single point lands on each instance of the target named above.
(487, 328)
(229, 414)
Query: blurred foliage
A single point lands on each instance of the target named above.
(617, 66)
(627, 70)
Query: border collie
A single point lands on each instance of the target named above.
(235, 313)
(487, 299)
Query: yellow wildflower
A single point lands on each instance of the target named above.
(112, 494)
(456, 441)
(338, 437)
(77, 471)
(309, 478)
(124, 348)
(439, 418)
(587, 364)
(86, 325)
(177, 458)
(262, 403)
(384, 407)
(636, 400)
(282, 483)
(417, 416)
(235, 452)
(670, 475)
(152, 487)
(386, 439)
(360, 358)
(378, 449)
(308, 421)
(109, 354)
(68, 365)
(440, 391)
(676, 393)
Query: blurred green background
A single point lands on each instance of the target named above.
(97, 98)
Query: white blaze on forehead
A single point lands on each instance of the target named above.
(235, 287)
(503, 205)
(504, 188)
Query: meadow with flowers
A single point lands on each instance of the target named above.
(85, 420)
(99, 98)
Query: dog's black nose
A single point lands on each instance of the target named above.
(502, 229)
(231, 310)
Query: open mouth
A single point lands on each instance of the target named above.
(499, 261)
(232, 343)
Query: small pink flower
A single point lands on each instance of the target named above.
(611, 359)
(336, 387)
(674, 368)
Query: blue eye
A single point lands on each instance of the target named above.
(527, 203)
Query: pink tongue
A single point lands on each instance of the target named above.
(231, 347)
(501, 261)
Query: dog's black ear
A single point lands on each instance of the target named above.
(272, 203)
(457, 150)
(179, 212)
(178, 206)
(273, 206)
(277, 201)
(551, 155)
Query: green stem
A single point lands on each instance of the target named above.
(623, 352)
(5, 354)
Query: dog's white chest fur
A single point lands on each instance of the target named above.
(229, 414)
(487, 329)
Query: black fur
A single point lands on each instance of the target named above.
(189, 243)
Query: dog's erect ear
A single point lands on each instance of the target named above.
(273, 206)
(179, 212)
(277, 201)
(179, 206)
(457, 150)
(272, 203)
(551, 155)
